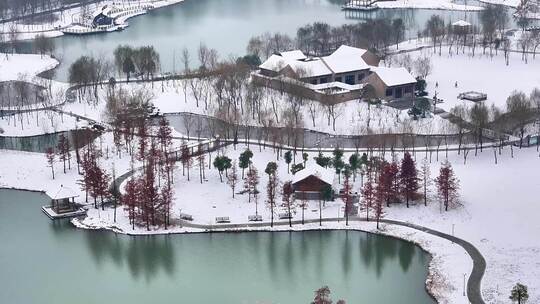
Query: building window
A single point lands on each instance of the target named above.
(314, 81)
(360, 76)
(349, 79)
(338, 79)
(408, 89)
(389, 92)
(323, 80)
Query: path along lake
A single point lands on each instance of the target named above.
(44, 262)
(227, 25)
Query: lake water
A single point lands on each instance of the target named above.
(226, 25)
(43, 262)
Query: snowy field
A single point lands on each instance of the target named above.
(428, 4)
(481, 73)
(27, 66)
(37, 123)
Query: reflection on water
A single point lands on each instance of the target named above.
(227, 25)
(40, 143)
(282, 267)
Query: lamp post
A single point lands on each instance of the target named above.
(464, 275)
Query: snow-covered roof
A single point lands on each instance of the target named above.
(274, 63)
(346, 59)
(62, 192)
(293, 55)
(394, 76)
(326, 175)
(461, 23)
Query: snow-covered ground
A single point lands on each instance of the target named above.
(38, 122)
(351, 117)
(27, 66)
(428, 4)
(481, 73)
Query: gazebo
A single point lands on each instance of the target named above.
(63, 200)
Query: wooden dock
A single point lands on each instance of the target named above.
(55, 216)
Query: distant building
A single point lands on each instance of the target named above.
(338, 77)
(102, 18)
(308, 183)
(392, 83)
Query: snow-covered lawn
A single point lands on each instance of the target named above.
(38, 122)
(428, 4)
(27, 66)
(481, 73)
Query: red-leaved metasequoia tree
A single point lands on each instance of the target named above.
(447, 186)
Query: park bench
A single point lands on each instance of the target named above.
(222, 219)
(255, 218)
(285, 215)
(186, 217)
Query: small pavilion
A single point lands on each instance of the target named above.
(63, 200)
(461, 26)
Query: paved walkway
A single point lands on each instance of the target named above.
(474, 284)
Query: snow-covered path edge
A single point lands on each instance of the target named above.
(421, 236)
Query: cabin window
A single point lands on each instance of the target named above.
(338, 79)
(360, 76)
(349, 79)
(323, 80)
(314, 81)
(408, 89)
(389, 92)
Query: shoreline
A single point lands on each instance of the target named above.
(402, 231)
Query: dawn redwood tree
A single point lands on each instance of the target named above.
(408, 177)
(381, 193)
(49, 153)
(62, 149)
(425, 177)
(130, 199)
(251, 182)
(447, 185)
(185, 158)
(322, 296)
(368, 193)
(164, 135)
(287, 196)
(166, 197)
(271, 193)
(232, 178)
(201, 160)
(347, 197)
(519, 294)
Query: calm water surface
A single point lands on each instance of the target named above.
(226, 25)
(52, 262)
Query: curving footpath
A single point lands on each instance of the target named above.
(474, 291)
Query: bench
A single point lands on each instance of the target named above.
(286, 215)
(222, 219)
(186, 217)
(255, 218)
